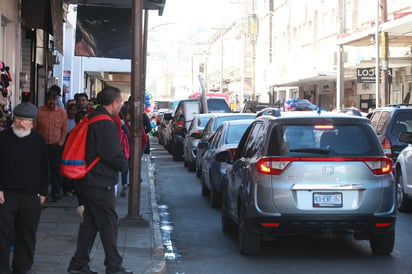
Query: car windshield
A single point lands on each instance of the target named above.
(343, 140)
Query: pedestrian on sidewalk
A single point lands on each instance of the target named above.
(97, 189)
(52, 124)
(21, 193)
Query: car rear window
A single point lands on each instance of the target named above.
(235, 133)
(203, 121)
(217, 105)
(338, 140)
(402, 122)
(220, 120)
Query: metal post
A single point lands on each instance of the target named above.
(377, 56)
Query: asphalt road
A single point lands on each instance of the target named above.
(195, 243)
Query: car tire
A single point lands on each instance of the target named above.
(205, 192)
(403, 201)
(215, 196)
(249, 241)
(191, 166)
(382, 243)
(228, 226)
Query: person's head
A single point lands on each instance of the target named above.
(111, 99)
(82, 101)
(125, 112)
(50, 100)
(24, 116)
(71, 111)
(55, 89)
(92, 101)
(71, 102)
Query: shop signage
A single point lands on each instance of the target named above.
(367, 75)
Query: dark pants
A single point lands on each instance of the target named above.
(54, 156)
(20, 216)
(99, 216)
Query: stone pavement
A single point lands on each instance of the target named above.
(139, 242)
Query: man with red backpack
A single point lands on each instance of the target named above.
(97, 188)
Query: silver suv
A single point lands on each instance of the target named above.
(309, 173)
(403, 173)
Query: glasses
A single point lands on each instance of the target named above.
(23, 120)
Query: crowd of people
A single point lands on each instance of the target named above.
(34, 142)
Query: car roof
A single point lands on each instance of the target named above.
(314, 115)
(239, 122)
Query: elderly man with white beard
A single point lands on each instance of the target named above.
(23, 188)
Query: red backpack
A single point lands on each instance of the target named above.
(73, 162)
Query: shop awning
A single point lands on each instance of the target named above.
(147, 4)
(399, 31)
(316, 79)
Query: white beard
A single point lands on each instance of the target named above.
(21, 133)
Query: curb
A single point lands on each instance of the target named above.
(158, 260)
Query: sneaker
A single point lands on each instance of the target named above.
(83, 270)
(124, 189)
(80, 211)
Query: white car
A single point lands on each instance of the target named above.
(403, 173)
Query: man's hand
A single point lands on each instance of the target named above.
(42, 199)
(1, 197)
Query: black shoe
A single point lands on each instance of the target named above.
(83, 270)
(120, 271)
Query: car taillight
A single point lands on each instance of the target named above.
(387, 146)
(276, 165)
(379, 165)
(180, 125)
(232, 153)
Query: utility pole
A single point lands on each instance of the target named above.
(137, 85)
(384, 83)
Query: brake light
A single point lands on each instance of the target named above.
(379, 165)
(387, 146)
(324, 127)
(180, 125)
(276, 165)
(232, 153)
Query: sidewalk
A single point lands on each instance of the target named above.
(139, 242)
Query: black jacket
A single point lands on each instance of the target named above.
(103, 140)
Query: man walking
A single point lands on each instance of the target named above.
(23, 188)
(52, 124)
(97, 188)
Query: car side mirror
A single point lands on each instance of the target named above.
(223, 156)
(196, 135)
(203, 145)
(405, 137)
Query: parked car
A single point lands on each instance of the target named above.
(164, 119)
(183, 116)
(309, 173)
(403, 173)
(192, 139)
(226, 138)
(255, 106)
(210, 128)
(388, 123)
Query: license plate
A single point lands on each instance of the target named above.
(327, 199)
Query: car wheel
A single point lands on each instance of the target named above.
(205, 191)
(404, 203)
(249, 241)
(215, 197)
(192, 166)
(382, 243)
(228, 225)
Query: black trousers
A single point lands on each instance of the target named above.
(54, 156)
(99, 216)
(20, 216)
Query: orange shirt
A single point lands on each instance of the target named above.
(52, 124)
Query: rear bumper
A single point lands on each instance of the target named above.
(312, 224)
